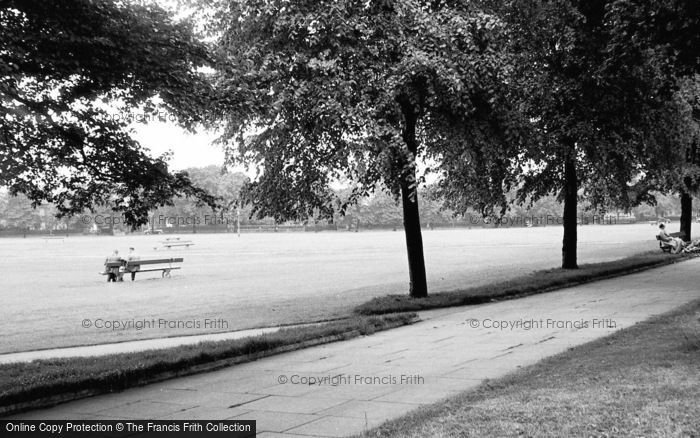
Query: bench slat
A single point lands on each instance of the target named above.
(144, 262)
(158, 269)
(153, 262)
(147, 270)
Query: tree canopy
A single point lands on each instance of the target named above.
(315, 92)
(71, 74)
(585, 108)
(664, 34)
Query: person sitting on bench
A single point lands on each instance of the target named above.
(674, 242)
(131, 267)
(112, 271)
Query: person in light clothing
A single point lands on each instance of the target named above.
(675, 242)
(113, 271)
(133, 268)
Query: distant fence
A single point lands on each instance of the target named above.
(15, 232)
(471, 222)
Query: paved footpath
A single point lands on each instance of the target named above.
(388, 374)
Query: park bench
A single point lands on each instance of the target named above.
(664, 246)
(679, 235)
(667, 247)
(174, 242)
(52, 237)
(167, 265)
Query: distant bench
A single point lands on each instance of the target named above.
(128, 264)
(52, 237)
(170, 243)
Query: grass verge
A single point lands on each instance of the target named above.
(534, 283)
(43, 383)
(640, 381)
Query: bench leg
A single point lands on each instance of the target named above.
(166, 273)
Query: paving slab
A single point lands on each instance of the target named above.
(135, 410)
(293, 405)
(201, 398)
(329, 426)
(375, 410)
(346, 387)
(206, 413)
(271, 421)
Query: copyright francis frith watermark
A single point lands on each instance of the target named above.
(541, 323)
(544, 220)
(162, 220)
(350, 379)
(113, 324)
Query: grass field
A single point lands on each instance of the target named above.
(49, 287)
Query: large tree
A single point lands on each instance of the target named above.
(664, 34)
(589, 114)
(691, 162)
(317, 91)
(678, 171)
(72, 73)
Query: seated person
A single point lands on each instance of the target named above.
(133, 268)
(674, 242)
(113, 272)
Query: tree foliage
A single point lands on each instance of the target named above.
(315, 92)
(662, 37)
(585, 107)
(664, 29)
(70, 73)
(224, 185)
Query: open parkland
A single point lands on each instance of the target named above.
(53, 296)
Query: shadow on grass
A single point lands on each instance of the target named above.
(537, 282)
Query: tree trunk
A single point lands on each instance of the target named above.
(686, 215)
(238, 218)
(568, 252)
(418, 286)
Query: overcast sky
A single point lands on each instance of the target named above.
(189, 150)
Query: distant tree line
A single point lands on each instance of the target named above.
(379, 211)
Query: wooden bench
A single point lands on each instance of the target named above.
(664, 246)
(52, 237)
(680, 235)
(177, 242)
(667, 247)
(127, 264)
